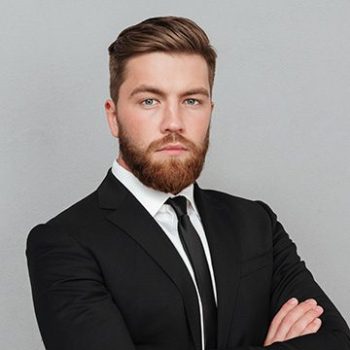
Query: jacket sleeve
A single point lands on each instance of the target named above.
(73, 307)
(291, 278)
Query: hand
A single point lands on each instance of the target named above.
(294, 319)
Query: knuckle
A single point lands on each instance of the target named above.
(312, 314)
(304, 307)
(299, 327)
(294, 315)
(289, 320)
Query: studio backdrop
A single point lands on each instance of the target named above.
(279, 133)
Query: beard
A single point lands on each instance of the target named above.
(171, 175)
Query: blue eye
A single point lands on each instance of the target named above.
(192, 101)
(148, 102)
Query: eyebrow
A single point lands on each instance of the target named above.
(154, 90)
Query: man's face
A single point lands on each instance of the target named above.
(162, 119)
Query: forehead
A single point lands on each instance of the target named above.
(168, 71)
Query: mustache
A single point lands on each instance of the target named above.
(171, 138)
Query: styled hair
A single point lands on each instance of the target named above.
(163, 34)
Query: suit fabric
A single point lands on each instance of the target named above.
(104, 276)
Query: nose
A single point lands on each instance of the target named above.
(172, 120)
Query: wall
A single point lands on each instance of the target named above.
(280, 129)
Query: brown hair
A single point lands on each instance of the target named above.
(166, 34)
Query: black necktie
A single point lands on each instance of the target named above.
(195, 252)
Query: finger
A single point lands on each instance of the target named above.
(302, 323)
(313, 327)
(286, 307)
(292, 316)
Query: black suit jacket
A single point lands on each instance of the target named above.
(105, 276)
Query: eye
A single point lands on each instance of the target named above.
(149, 102)
(192, 101)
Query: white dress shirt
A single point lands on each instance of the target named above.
(153, 201)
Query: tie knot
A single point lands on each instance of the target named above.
(179, 204)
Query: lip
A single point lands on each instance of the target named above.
(173, 149)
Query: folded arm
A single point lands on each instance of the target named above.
(313, 322)
(305, 325)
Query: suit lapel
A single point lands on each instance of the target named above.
(222, 232)
(130, 216)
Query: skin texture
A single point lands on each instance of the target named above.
(293, 320)
(162, 93)
(166, 94)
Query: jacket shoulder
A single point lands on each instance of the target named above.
(244, 206)
(82, 213)
(84, 209)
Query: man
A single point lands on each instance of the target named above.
(151, 261)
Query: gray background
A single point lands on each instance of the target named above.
(280, 129)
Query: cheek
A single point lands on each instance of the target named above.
(141, 134)
(132, 125)
(137, 120)
(201, 130)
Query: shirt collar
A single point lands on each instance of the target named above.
(151, 199)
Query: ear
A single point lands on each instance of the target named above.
(112, 117)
